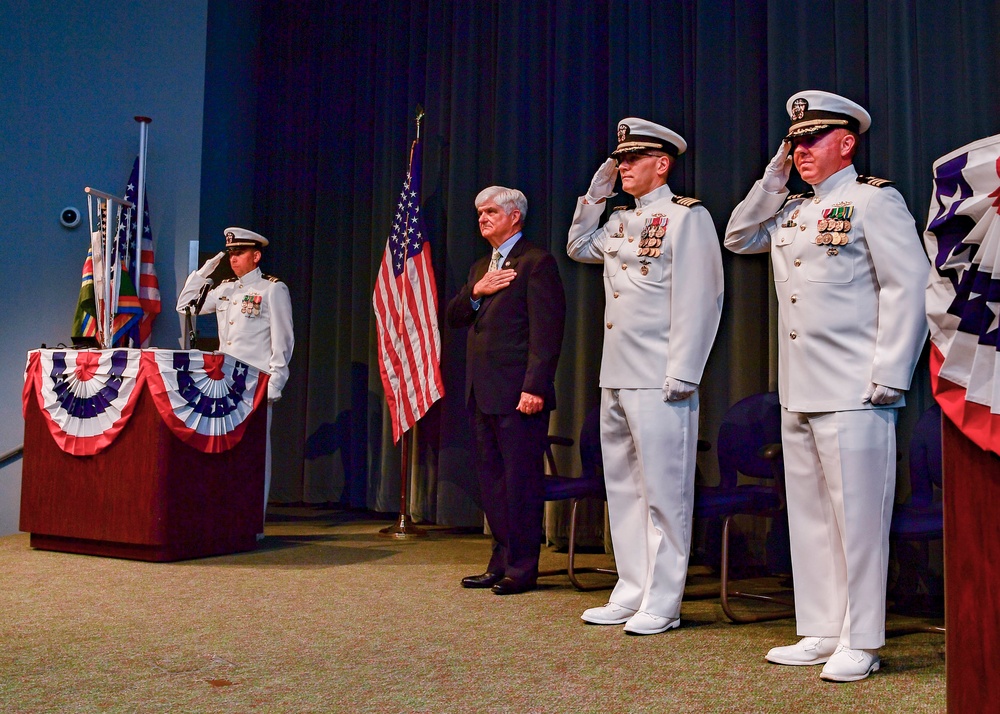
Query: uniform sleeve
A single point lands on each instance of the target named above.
(192, 289)
(282, 340)
(546, 319)
(752, 221)
(585, 243)
(902, 271)
(696, 293)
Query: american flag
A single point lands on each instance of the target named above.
(148, 287)
(405, 302)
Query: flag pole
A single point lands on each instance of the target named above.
(404, 527)
(140, 211)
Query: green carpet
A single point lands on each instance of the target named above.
(327, 616)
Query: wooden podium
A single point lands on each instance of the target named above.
(147, 496)
(972, 572)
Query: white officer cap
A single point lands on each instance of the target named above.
(241, 237)
(813, 111)
(638, 135)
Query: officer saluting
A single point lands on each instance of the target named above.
(663, 288)
(849, 273)
(254, 312)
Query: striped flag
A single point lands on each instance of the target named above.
(90, 303)
(148, 288)
(405, 302)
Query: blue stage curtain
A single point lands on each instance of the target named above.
(528, 94)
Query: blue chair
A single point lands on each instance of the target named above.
(921, 518)
(749, 443)
(589, 485)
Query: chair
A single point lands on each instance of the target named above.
(921, 518)
(589, 485)
(749, 443)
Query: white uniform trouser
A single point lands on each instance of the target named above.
(649, 448)
(840, 481)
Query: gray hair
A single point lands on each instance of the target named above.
(507, 198)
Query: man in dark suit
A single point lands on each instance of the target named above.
(514, 305)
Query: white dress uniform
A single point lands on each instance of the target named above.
(254, 315)
(663, 305)
(849, 273)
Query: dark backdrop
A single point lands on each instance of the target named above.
(528, 94)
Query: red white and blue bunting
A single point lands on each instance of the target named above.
(204, 398)
(963, 295)
(87, 397)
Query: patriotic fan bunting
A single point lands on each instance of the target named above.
(205, 399)
(86, 397)
(963, 294)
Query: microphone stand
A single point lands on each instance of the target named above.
(191, 314)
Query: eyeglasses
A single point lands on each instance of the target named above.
(636, 157)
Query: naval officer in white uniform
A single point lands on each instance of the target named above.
(849, 273)
(254, 312)
(663, 288)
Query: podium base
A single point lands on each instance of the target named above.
(403, 528)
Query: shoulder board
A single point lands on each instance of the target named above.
(799, 196)
(619, 208)
(874, 181)
(228, 280)
(685, 201)
(270, 277)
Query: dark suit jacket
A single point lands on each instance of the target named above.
(515, 336)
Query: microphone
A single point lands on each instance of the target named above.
(199, 301)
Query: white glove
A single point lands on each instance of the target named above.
(603, 184)
(674, 390)
(211, 264)
(777, 172)
(880, 394)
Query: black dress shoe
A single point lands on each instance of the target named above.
(509, 586)
(486, 580)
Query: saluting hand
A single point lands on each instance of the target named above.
(602, 186)
(778, 170)
(493, 282)
(211, 264)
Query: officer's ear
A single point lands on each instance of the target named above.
(256, 257)
(848, 144)
(663, 165)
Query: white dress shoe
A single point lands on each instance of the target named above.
(644, 623)
(808, 650)
(610, 614)
(847, 665)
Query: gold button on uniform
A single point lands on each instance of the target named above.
(624, 267)
(797, 262)
(630, 239)
(610, 325)
(802, 228)
(616, 295)
(794, 298)
(793, 334)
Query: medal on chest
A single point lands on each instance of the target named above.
(651, 237)
(835, 224)
(250, 305)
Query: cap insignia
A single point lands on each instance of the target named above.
(622, 132)
(799, 107)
